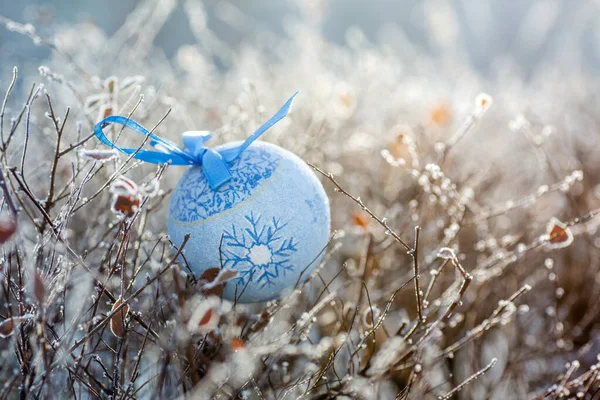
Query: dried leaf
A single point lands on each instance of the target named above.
(207, 277)
(39, 288)
(225, 275)
(117, 321)
(8, 226)
(215, 279)
(125, 205)
(237, 344)
(111, 84)
(124, 185)
(105, 111)
(559, 234)
(7, 327)
(126, 197)
(440, 115)
(371, 316)
(360, 219)
(398, 153)
(99, 155)
(206, 316)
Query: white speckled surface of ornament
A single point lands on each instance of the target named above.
(272, 216)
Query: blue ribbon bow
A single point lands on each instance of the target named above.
(213, 162)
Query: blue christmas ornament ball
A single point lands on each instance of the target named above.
(249, 206)
(270, 221)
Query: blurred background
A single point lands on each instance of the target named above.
(484, 33)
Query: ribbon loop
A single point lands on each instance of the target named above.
(194, 142)
(213, 162)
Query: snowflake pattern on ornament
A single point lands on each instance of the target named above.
(258, 251)
(194, 200)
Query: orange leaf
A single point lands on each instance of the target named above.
(361, 219)
(237, 344)
(440, 115)
(206, 315)
(559, 234)
(205, 318)
(107, 112)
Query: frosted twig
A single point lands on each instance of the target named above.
(468, 380)
(415, 257)
(380, 221)
(126, 301)
(3, 109)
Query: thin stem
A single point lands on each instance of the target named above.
(415, 257)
